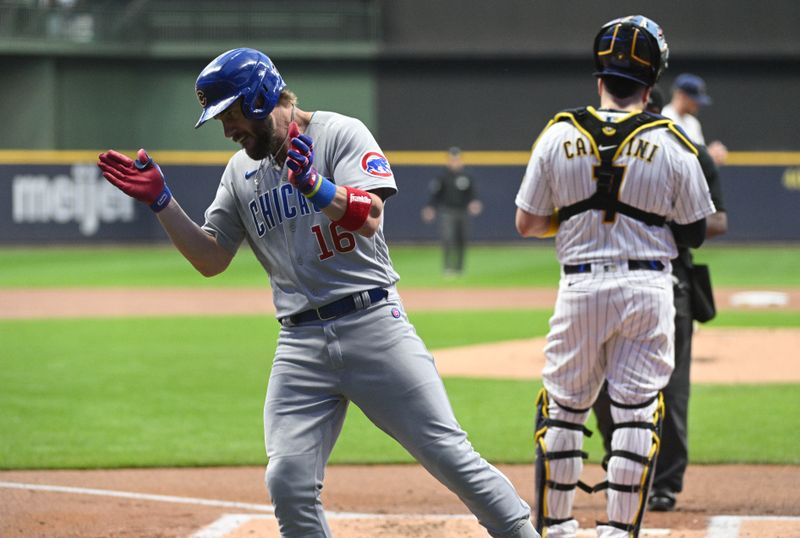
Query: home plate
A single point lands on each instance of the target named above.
(759, 298)
(369, 526)
(351, 526)
(753, 526)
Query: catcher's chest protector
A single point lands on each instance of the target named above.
(608, 139)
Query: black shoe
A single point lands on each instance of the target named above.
(662, 500)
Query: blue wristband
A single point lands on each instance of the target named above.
(323, 192)
(163, 200)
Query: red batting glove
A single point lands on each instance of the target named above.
(294, 130)
(141, 179)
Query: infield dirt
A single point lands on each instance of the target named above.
(721, 355)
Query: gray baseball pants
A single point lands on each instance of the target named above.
(374, 359)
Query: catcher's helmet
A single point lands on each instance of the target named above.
(244, 73)
(631, 47)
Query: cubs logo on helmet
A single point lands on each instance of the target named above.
(376, 164)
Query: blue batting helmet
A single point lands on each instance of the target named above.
(631, 47)
(245, 73)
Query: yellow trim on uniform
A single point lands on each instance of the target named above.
(669, 123)
(655, 448)
(591, 110)
(542, 398)
(406, 158)
(547, 479)
(688, 143)
(538, 438)
(622, 144)
(646, 472)
(546, 127)
(552, 227)
(578, 126)
(621, 184)
(597, 115)
(637, 131)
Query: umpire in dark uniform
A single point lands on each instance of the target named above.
(674, 454)
(454, 200)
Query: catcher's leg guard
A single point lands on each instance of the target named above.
(559, 462)
(636, 438)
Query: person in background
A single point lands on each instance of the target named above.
(613, 318)
(306, 192)
(454, 200)
(688, 97)
(673, 456)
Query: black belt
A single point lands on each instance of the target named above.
(633, 265)
(339, 308)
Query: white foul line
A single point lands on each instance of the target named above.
(720, 526)
(729, 526)
(224, 526)
(139, 496)
(724, 527)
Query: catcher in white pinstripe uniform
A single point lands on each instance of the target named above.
(619, 188)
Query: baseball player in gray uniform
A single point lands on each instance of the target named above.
(606, 182)
(307, 193)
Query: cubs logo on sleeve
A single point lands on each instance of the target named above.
(375, 164)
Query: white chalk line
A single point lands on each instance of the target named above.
(228, 523)
(719, 527)
(729, 526)
(215, 502)
(223, 526)
(138, 496)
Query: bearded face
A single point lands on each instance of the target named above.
(264, 141)
(258, 137)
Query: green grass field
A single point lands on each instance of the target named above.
(184, 391)
(530, 264)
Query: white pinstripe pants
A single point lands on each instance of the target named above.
(615, 324)
(612, 323)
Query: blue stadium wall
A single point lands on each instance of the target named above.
(60, 197)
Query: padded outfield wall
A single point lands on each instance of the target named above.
(60, 197)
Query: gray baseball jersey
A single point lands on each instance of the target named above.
(311, 261)
(371, 357)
